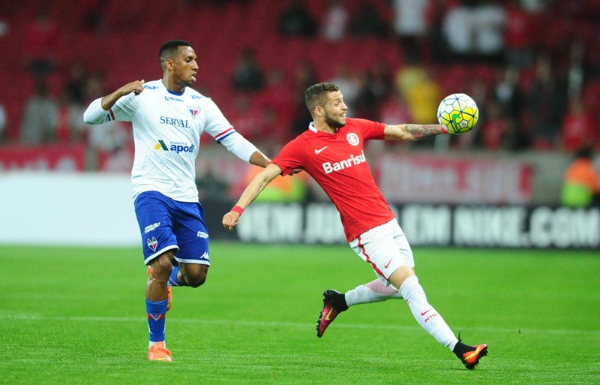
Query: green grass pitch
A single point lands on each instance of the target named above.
(77, 316)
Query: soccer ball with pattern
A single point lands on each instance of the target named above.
(458, 113)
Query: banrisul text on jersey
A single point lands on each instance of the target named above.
(353, 160)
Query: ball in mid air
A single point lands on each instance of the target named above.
(458, 113)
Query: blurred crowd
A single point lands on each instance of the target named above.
(533, 66)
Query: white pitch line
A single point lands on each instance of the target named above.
(171, 320)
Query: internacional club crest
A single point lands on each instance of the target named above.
(352, 139)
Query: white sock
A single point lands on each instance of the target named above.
(374, 291)
(425, 314)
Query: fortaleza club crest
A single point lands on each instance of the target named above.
(152, 243)
(352, 139)
(194, 111)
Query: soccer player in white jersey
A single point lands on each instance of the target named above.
(331, 151)
(168, 118)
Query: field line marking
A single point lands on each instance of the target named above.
(171, 320)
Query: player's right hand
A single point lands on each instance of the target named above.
(230, 220)
(136, 87)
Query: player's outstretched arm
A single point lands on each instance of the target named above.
(97, 110)
(258, 183)
(259, 159)
(412, 132)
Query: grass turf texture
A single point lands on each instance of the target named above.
(77, 316)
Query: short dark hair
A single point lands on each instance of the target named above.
(316, 95)
(168, 50)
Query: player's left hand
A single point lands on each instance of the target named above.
(230, 220)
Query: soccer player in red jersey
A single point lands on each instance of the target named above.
(332, 152)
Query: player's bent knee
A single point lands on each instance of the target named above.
(400, 275)
(195, 275)
(197, 281)
(162, 267)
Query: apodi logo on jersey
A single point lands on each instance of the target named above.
(175, 146)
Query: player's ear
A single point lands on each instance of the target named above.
(168, 64)
(318, 111)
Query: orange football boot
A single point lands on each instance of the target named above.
(158, 352)
(471, 358)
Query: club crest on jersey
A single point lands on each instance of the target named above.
(194, 111)
(152, 243)
(352, 139)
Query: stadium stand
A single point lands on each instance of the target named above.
(123, 41)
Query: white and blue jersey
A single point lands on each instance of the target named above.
(166, 128)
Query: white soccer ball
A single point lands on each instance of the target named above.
(458, 113)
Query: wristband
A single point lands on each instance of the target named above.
(238, 209)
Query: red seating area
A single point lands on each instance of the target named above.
(126, 47)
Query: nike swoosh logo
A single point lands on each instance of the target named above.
(320, 149)
(425, 312)
(387, 264)
(328, 314)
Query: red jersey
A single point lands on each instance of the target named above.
(337, 162)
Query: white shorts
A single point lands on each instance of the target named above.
(385, 247)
